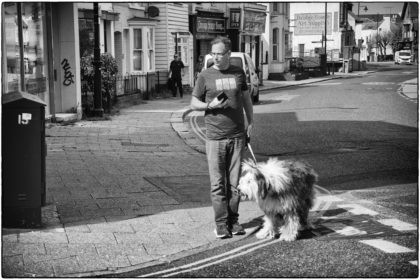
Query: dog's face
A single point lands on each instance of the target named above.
(252, 182)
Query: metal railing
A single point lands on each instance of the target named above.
(144, 84)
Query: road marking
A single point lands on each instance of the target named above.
(224, 259)
(327, 84)
(284, 97)
(195, 127)
(387, 246)
(378, 83)
(397, 224)
(358, 210)
(414, 262)
(350, 231)
(330, 198)
(203, 260)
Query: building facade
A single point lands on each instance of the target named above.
(410, 31)
(41, 47)
(243, 23)
(370, 28)
(310, 22)
(278, 40)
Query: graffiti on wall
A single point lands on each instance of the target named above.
(68, 75)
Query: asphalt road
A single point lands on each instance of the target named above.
(362, 138)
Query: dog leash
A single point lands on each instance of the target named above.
(248, 143)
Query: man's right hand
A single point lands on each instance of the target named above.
(216, 103)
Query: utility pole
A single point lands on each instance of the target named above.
(97, 88)
(377, 36)
(325, 29)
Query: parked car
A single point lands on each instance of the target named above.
(244, 61)
(402, 57)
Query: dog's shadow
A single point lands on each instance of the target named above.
(317, 231)
(254, 223)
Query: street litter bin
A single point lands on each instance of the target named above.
(23, 159)
(348, 66)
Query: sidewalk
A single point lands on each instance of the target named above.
(122, 194)
(410, 88)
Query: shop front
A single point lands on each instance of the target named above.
(40, 50)
(25, 49)
(245, 28)
(205, 26)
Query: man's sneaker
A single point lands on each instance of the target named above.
(222, 231)
(237, 229)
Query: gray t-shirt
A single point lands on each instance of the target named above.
(228, 122)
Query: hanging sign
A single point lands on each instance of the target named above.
(312, 24)
(253, 22)
(235, 19)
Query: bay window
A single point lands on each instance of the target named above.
(24, 46)
(137, 50)
(141, 56)
(183, 48)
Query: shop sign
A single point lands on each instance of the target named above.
(205, 36)
(312, 24)
(235, 19)
(211, 25)
(253, 22)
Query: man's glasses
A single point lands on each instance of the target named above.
(218, 54)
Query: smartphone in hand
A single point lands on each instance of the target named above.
(222, 97)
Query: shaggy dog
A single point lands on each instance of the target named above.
(283, 191)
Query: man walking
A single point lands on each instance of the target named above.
(226, 132)
(176, 71)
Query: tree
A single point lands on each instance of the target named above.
(388, 38)
(396, 29)
(383, 39)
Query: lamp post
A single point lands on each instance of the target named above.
(97, 89)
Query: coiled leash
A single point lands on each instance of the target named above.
(248, 144)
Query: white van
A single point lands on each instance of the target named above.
(403, 56)
(242, 60)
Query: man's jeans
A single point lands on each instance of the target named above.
(177, 83)
(224, 159)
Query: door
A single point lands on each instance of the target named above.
(301, 50)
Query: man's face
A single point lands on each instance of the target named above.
(220, 56)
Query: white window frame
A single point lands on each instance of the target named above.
(183, 48)
(139, 49)
(276, 45)
(148, 61)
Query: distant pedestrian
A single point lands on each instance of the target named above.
(176, 71)
(199, 66)
(226, 132)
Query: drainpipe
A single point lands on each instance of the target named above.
(51, 70)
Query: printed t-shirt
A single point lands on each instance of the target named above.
(228, 122)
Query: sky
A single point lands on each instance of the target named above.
(379, 7)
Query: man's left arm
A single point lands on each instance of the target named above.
(249, 111)
(182, 69)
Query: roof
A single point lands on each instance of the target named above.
(413, 8)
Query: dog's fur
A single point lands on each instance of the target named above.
(283, 191)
